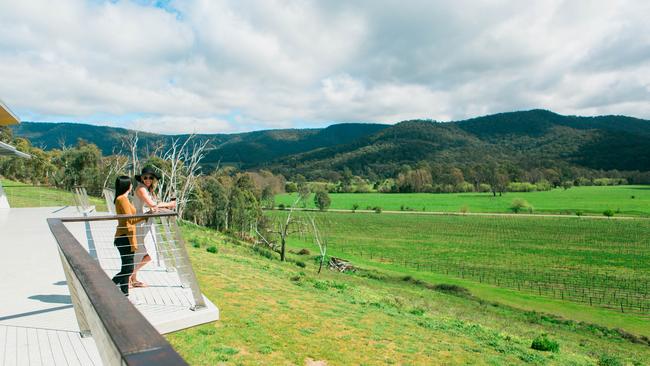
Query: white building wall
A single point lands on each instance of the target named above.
(4, 203)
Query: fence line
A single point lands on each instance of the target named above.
(596, 289)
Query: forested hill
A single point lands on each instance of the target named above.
(242, 149)
(525, 140)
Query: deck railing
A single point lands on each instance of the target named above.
(122, 334)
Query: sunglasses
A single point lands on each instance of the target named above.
(147, 177)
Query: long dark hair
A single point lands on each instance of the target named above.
(122, 185)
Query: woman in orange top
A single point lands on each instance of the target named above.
(125, 241)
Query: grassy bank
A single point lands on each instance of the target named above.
(279, 313)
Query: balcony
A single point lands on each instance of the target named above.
(60, 306)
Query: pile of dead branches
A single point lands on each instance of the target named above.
(341, 265)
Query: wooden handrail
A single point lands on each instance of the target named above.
(162, 213)
(122, 334)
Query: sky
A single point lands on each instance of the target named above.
(220, 66)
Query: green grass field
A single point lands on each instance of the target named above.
(25, 195)
(588, 200)
(601, 263)
(277, 313)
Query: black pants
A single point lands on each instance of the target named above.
(122, 277)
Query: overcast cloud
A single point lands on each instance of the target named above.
(226, 66)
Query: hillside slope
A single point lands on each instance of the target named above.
(518, 138)
(242, 149)
(279, 313)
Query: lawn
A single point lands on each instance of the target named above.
(280, 314)
(623, 200)
(26, 195)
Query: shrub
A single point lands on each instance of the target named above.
(464, 209)
(281, 206)
(301, 264)
(578, 213)
(196, 243)
(377, 209)
(521, 187)
(304, 251)
(543, 343)
(212, 249)
(355, 206)
(452, 290)
(607, 360)
(608, 213)
(520, 204)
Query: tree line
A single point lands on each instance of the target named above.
(493, 176)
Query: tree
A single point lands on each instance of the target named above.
(279, 229)
(496, 178)
(6, 135)
(303, 189)
(179, 178)
(319, 240)
(322, 200)
(291, 187)
(268, 198)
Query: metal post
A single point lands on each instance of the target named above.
(185, 270)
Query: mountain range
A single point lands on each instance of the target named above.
(525, 138)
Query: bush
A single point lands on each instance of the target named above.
(579, 213)
(212, 249)
(196, 243)
(521, 187)
(464, 209)
(608, 213)
(281, 206)
(301, 264)
(304, 251)
(543, 343)
(377, 209)
(519, 204)
(607, 360)
(355, 206)
(455, 290)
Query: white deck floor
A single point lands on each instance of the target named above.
(37, 321)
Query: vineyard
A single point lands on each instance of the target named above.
(602, 263)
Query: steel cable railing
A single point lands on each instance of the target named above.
(90, 259)
(122, 334)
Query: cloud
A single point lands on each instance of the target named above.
(172, 125)
(226, 65)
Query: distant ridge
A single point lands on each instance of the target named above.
(522, 139)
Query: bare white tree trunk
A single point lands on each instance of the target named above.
(319, 240)
(131, 143)
(180, 181)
